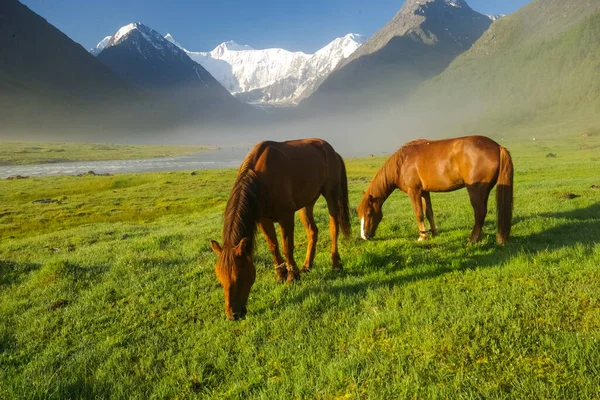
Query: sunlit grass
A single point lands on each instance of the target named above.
(24, 153)
(110, 293)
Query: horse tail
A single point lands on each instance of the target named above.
(343, 216)
(504, 196)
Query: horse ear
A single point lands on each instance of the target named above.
(242, 247)
(216, 247)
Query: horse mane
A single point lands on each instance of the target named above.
(384, 182)
(250, 160)
(242, 211)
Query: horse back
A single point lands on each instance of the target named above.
(293, 173)
(450, 164)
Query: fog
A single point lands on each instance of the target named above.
(358, 132)
(353, 129)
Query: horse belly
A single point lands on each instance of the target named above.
(441, 177)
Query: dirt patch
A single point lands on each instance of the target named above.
(60, 303)
(568, 196)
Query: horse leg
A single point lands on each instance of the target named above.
(429, 213)
(286, 223)
(332, 207)
(268, 229)
(415, 197)
(308, 220)
(479, 198)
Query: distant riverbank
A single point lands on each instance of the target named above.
(226, 157)
(32, 153)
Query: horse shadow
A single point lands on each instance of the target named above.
(581, 228)
(12, 272)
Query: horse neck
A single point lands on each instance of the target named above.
(386, 179)
(242, 211)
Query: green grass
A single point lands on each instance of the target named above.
(25, 153)
(111, 293)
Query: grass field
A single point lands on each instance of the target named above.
(25, 153)
(110, 293)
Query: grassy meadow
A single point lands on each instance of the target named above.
(26, 153)
(110, 292)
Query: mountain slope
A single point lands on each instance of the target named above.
(272, 76)
(417, 44)
(141, 56)
(46, 79)
(541, 63)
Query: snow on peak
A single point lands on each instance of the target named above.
(125, 30)
(456, 3)
(344, 46)
(171, 39)
(495, 17)
(143, 34)
(100, 46)
(229, 46)
(241, 69)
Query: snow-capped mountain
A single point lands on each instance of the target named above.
(142, 56)
(100, 46)
(417, 44)
(272, 76)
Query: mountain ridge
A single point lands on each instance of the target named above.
(419, 42)
(142, 56)
(270, 76)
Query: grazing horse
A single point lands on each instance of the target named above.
(275, 180)
(423, 166)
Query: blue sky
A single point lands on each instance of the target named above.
(200, 25)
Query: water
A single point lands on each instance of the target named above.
(230, 157)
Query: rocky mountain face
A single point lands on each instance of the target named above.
(143, 57)
(272, 76)
(418, 43)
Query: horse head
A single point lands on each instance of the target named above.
(236, 273)
(370, 215)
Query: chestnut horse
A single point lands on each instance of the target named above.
(275, 180)
(423, 166)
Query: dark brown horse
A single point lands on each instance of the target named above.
(275, 180)
(423, 166)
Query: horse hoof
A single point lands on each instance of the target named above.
(337, 265)
(435, 233)
(293, 276)
(305, 269)
(282, 277)
(422, 238)
(282, 274)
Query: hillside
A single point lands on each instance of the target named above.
(46, 78)
(540, 65)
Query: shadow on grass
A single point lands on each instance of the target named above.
(14, 272)
(582, 228)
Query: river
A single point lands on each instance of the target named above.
(226, 157)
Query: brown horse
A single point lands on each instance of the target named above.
(275, 180)
(423, 166)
